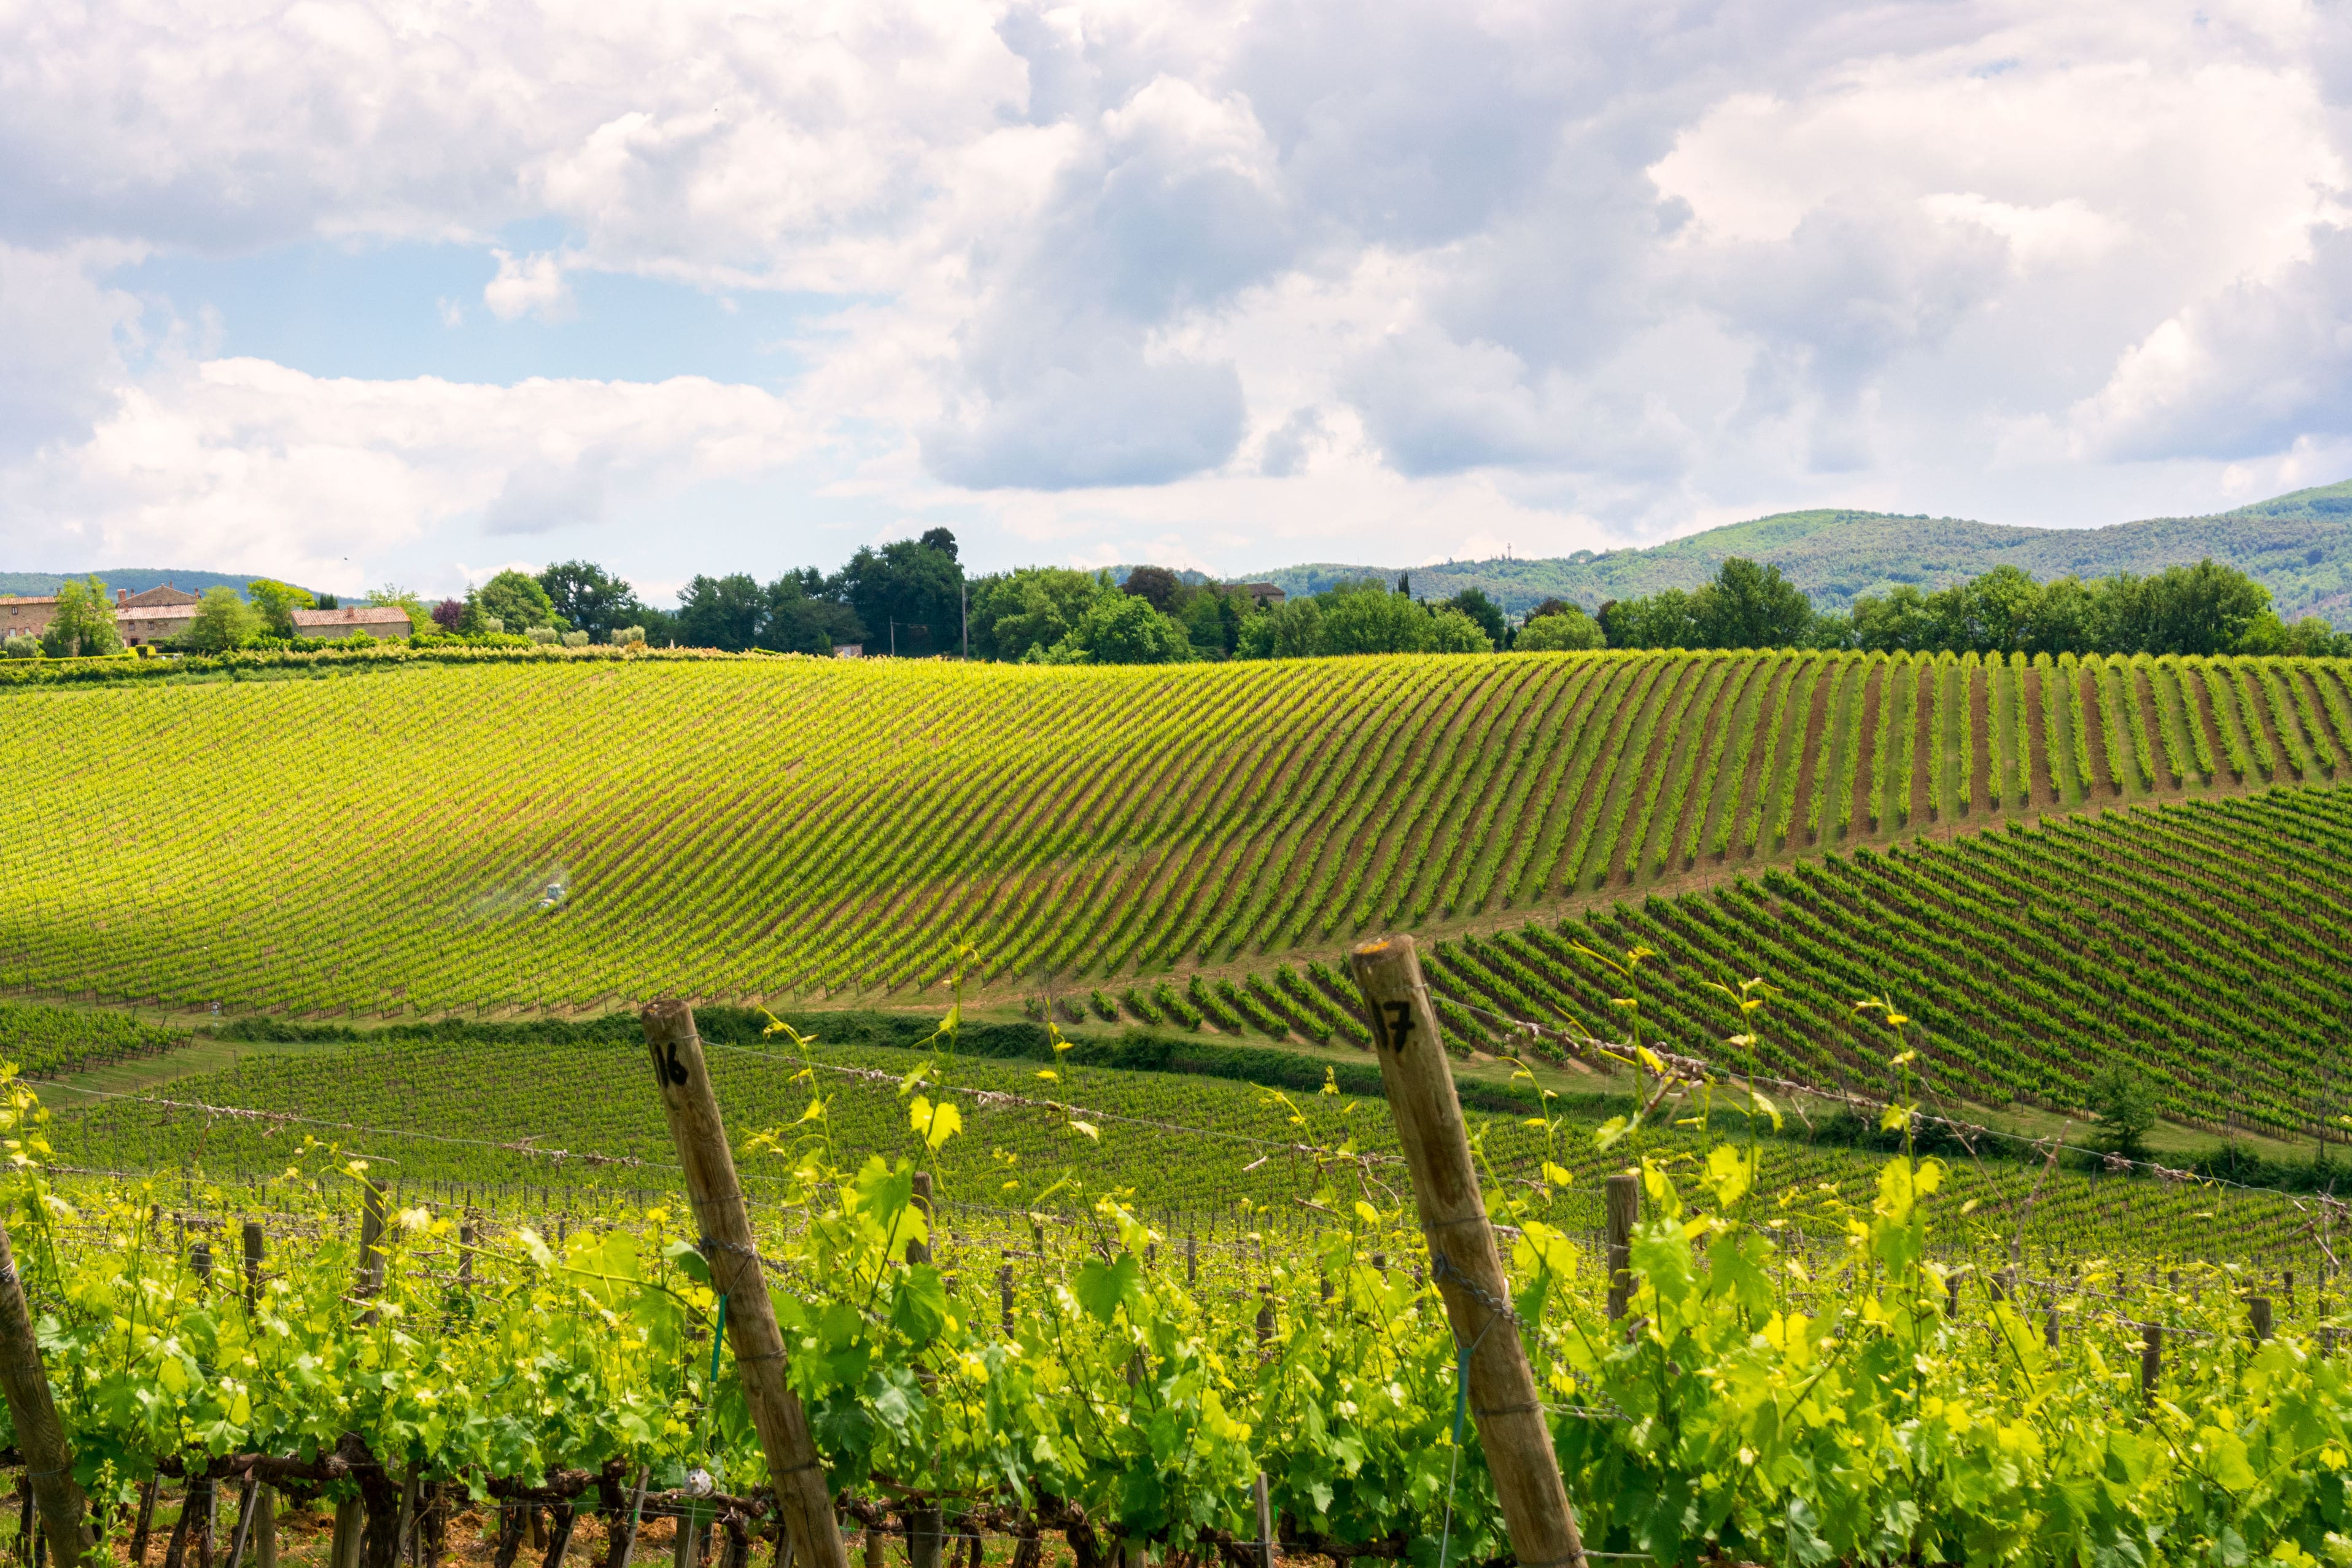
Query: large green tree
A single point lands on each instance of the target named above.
(1120, 628)
(1292, 629)
(517, 600)
(1359, 619)
(1749, 606)
(908, 593)
(84, 622)
(222, 621)
(1035, 607)
(721, 612)
(590, 598)
(276, 603)
(800, 618)
(1488, 615)
(1566, 627)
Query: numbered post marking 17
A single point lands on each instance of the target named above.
(1398, 1025)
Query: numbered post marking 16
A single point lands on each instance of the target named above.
(668, 1070)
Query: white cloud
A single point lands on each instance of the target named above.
(1215, 278)
(533, 285)
(251, 464)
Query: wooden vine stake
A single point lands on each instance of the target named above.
(1463, 1260)
(40, 1435)
(727, 1243)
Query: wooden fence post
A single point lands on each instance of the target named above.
(369, 1283)
(1264, 1523)
(727, 1246)
(1624, 1208)
(2258, 1315)
(247, 1498)
(2151, 1359)
(139, 1531)
(40, 1435)
(1464, 1263)
(253, 1244)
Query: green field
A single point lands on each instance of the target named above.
(1174, 1248)
(568, 833)
(529, 1120)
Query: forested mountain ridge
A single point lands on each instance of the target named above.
(130, 579)
(2299, 547)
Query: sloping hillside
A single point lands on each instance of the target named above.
(557, 831)
(2298, 545)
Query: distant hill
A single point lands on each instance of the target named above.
(2298, 545)
(131, 579)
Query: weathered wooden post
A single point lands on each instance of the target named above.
(350, 1512)
(369, 1283)
(2151, 1359)
(1463, 1262)
(1004, 1295)
(146, 1523)
(253, 1244)
(923, 1526)
(726, 1241)
(1264, 1523)
(1623, 1199)
(2258, 1317)
(247, 1500)
(40, 1435)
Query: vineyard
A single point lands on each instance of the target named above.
(2201, 943)
(1797, 1374)
(45, 1041)
(519, 834)
(1215, 1159)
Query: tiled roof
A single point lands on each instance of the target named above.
(144, 612)
(353, 616)
(11, 601)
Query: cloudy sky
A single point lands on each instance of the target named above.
(410, 291)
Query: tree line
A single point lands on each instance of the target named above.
(2205, 609)
(911, 598)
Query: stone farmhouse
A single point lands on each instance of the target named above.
(159, 614)
(375, 620)
(149, 617)
(156, 616)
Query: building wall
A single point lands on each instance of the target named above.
(335, 631)
(141, 629)
(26, 615)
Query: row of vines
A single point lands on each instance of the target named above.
(2201, 941)
(1801, 1375)
(521, 835)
